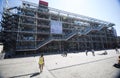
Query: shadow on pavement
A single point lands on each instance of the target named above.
(118, 75)
(35, 74)
(116, 65)
(31, 75)
(81, 63)
(1, 75)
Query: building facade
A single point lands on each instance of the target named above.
(34, 28)
(118, 41)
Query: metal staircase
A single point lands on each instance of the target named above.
(44, 43)
(100, 27)
(50, 39)
(86, 31)
(65, 38)
(91, 29)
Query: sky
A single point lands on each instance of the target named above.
(107, 10)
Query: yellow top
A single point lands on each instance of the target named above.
(41, 60)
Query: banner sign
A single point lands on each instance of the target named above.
(56, 27)
(43, 3)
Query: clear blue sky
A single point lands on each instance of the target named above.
(108, 10)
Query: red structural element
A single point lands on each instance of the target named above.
(43, 3)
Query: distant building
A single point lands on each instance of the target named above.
(36, 28)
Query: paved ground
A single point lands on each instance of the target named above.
(75, 65)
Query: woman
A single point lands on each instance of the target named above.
(41, 62)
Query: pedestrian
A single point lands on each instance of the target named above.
(93, 52)
(41, 63)
(116, 49)
(86, 51)
(65, 54)
(105, 53)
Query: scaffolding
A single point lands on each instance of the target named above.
(27, 29)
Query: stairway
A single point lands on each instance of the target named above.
(91, 29)
(44, 43)
(65, 38)
(69, 36)
(86, 31)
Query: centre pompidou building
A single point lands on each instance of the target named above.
(33, 28)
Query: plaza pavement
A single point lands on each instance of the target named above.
(75, 65)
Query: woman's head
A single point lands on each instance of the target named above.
(41, 55)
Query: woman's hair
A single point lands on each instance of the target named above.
(119, 56)
(41, 55)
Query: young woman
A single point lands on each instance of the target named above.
(41, 62)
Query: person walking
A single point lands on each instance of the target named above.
(116, 49)
(41, 63)
(93, 52)
(105, 53)
(86, 52)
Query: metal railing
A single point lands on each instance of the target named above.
(91, 29)
(69, 35)
(86, 31)
(65, 38)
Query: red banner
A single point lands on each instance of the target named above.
(43, 3)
